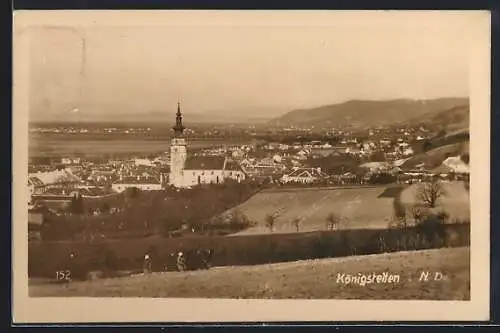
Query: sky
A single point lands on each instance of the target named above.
(228, 63)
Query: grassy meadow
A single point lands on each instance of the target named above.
(315, 279)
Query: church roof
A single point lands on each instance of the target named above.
(204, 163)
(233, 166)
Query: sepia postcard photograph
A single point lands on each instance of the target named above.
(242, 166)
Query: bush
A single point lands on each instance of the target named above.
(333, 221)
(132, 192)
(164, 212)
(431, 225)
(105, 208)
(270, 222)
(111, 261)
(76, 205)
(382, 178)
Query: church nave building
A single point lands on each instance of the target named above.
(187, 171)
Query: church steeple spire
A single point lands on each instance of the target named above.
(178, 128)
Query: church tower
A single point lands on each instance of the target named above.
(178, 151)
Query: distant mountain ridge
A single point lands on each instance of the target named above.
(451, 112)
(369, 113)
(454, 119)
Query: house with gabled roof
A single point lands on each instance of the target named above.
(144, 183)
(305, 176)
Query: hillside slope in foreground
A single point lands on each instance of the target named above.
(361, 207)
(301, 279)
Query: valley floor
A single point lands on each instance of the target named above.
(316, 279)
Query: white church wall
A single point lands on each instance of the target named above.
(194, 177)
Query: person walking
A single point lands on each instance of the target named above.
(147, 264)
(181, 262)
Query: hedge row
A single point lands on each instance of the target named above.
(45, 258)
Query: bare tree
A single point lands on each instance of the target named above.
(430, 192)
(296, 223)
(332, 221)
(401, 220)
(418, 214)
(270, 222)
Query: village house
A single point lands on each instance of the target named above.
(39, 182)
(238, 153)
(247, 163)
(266, 162)
(34, 185)
(264, 166)
(442, 171)
(345, 178)
(162, 160)
(283, 146)
(353, 150)
(70, 160)
(322, 150)
(272, 146)
(144, 183)
(376, 166)
(408, 151)
(302, 154)
(277, 159)
(385, 142)
(304, 176)
(452, 168)
(101, 176)
(144, 162)
(457, 165)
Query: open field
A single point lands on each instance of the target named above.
(301, 279)
(41, 146)
(455, 200)
(361, 206)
